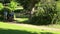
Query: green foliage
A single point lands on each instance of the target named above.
(58, 10)
(27, 4)
(1, 6)
(46, 11)
(12, 5)
(45, 14)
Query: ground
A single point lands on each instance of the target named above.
(17, 27)
(14, 28)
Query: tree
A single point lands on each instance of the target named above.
(12, 6)
(28, 5)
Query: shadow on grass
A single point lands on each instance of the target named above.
(10, 31)
(28, 22)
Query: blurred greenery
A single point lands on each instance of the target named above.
(1, 6)
(39, 12)
(44, 12)
(12, 5)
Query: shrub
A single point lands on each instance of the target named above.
(45, 14)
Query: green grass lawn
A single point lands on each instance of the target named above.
(6, 28)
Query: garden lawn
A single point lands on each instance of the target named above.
(7, 28)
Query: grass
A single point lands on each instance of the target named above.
(6, 28)
(21, 20)
(54, 26)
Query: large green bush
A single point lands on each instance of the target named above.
(45, 14)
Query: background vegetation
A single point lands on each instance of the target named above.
(38, 12)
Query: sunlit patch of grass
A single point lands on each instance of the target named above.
(21, 19)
